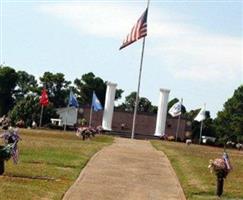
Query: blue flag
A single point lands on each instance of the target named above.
(96, 105)
(72, 100)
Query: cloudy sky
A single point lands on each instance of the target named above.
(194, 48)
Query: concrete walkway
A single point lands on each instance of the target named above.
(127, 170)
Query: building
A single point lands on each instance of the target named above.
(145, 123)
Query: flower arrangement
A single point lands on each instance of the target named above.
(221, 168)
(86, 132)
(11, 138)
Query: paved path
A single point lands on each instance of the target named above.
(127, 170)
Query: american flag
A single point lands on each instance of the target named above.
(139, 30)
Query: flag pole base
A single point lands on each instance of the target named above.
(158, 135)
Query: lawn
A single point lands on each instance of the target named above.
(190, 164)
(50, 162)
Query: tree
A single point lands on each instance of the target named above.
(57, 88)
(8, 81)
(144, 104)
(89, 83)
(229, 121)
(26, 83)
(28, 109)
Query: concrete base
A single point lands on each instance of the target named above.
(158, 135)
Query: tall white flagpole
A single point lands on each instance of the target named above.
(201, 127)
(65, 125)
(90, 115)
(42, 107)
(200, 137)
(138, 89)
(178, 121)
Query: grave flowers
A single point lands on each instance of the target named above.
(221, 168)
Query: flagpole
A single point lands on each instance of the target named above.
(178, 121)
(137, 95)
(42, 107)
(139, 82)
(200, 139)
(65, 125)
(90, 116)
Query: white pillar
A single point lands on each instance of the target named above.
(162, 112)
(109, 106)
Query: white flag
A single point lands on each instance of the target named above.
(201, 115)
(175, 110)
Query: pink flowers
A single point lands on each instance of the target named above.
(86, 132)
(220, 166)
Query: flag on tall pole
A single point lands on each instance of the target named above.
(200, 117)
(175, 111)
(138, 31)
(96, 106)
(44, 101)
(72, 102)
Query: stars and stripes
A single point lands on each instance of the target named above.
(139, 30)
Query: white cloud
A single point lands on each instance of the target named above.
(191, 52)
(98, 19)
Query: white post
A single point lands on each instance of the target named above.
(179, 120)
(162, 112)
(109, 106)
(200, 136)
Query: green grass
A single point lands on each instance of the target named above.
(190, 164)
(50, 162)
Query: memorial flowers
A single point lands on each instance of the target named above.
(11, 139)
(221, 168)
(86, 132)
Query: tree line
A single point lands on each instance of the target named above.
(20, 92)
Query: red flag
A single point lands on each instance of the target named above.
(44, 98)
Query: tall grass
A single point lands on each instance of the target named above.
(50, 161)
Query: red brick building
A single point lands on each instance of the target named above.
(145, 123)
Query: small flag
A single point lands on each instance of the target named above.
(96, 105)
(72, 100)
(138, 31)
(44, 98)
(227, 161)
(201, 115)
(175, 110)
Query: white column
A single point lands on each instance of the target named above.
(162, 112)
(109, 106)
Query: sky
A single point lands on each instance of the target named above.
(194, 48)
